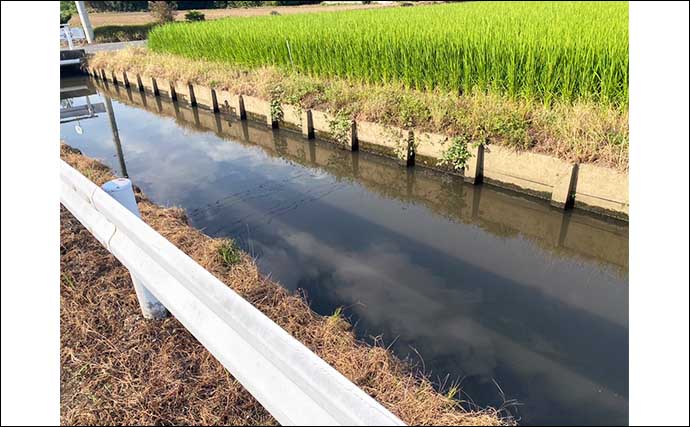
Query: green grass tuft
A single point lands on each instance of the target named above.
(229, 253)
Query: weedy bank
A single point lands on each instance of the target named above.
(579, 131)
(542, 51)
(117, 368)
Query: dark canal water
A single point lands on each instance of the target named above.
(499, 292)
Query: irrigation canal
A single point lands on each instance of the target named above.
(495, 291)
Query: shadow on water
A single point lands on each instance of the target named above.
(502, 292)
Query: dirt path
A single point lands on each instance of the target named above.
(130, 18)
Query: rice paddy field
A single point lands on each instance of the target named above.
(544, 51)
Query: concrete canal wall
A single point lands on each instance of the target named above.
(564, 184)
(502, 213)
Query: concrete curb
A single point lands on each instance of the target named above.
(292, 117)
(206, 97)
(184, 92)
(601, 190)
(257, 108)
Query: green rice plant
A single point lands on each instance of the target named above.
(534, 50)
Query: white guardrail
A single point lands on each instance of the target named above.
(291, 382)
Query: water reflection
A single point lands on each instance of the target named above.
(116, 136)
(69, 112)
(484, 284)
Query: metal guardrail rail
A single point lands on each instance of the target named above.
(291, 382)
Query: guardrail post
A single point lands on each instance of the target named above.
(121, 190)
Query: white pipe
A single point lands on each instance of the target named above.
(85, 22)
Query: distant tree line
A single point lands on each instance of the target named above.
(228, 4)
(132, 6)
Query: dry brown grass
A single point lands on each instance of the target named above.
(137, 18)
(117, 368)
(584, 132)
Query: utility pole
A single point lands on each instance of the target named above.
(85, 23)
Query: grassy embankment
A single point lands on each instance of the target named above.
(550, 78)
(117, 368)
